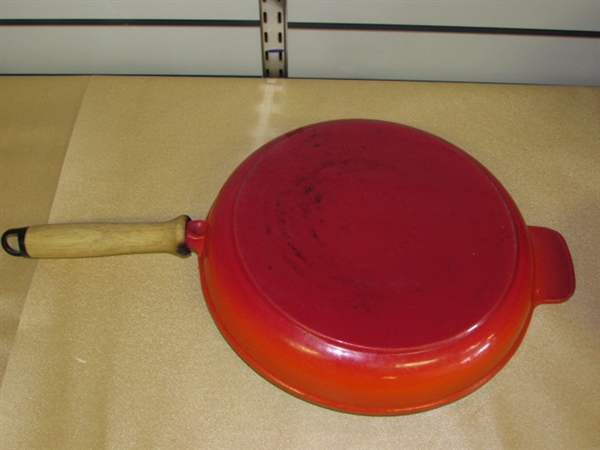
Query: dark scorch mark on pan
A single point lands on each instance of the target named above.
(296, 251)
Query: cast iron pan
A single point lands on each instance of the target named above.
(361, 265)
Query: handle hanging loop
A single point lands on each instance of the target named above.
(20, 234)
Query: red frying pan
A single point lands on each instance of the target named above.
(361, 265)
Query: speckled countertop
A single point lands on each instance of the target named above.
(121, 352)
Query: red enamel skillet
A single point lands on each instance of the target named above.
(361, 265)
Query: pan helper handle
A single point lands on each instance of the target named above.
(86, 240)
(554, 272)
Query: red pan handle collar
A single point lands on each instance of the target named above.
(194, 235)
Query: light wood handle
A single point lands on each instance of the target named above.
(85, 240)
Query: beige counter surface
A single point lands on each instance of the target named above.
(121, 352)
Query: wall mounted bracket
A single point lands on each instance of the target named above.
(273, 24)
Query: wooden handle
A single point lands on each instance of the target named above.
(85, 240)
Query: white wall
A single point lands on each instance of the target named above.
(236, 51)
(543, 14)
(129, 9)
(156, 50)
